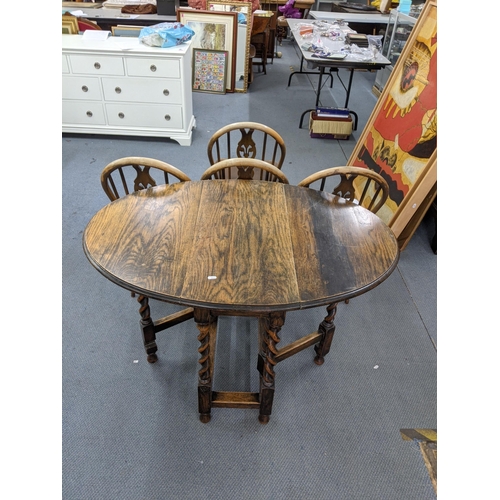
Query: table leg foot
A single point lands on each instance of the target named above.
(152, 358)
(205, 417)
(263, 419)
(319, 360)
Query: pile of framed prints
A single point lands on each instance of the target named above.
(214, 31)
(69, 25)
(244, 9)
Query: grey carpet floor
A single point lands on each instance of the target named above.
(131, 431)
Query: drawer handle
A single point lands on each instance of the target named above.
(167, 117)
(118, 90)
(85, 88)
(121, 115)
(89, 114)
(152, 68)
(166, 92)
(97, 66)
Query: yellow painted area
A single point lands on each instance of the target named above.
(429, 435)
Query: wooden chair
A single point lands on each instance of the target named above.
(245, 169)
(130, 174)
(356, 185)
(133, 173)
(247, 140)
(259, 38)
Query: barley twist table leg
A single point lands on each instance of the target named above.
(269, 333)
(148, 329)
(207, 326)
(327, 329)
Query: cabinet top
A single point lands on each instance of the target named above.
(119, 44)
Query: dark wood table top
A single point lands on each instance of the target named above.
(241, 246)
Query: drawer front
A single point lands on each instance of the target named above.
(161, 68)
(65, 65)
(152, 90)
(81, 87)
(83, 113)
(144, 115)
(97, 65)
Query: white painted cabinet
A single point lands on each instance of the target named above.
(120, 86)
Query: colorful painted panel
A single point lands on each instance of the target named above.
(401, 135)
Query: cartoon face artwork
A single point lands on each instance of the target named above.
(403, 135)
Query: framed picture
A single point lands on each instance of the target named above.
(399, 140)
(242, 39)
(123, 30)
(69, 25)
(213, 31)
(209, 70)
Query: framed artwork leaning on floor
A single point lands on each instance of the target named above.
(213, 31)
(400, 138)
(242, 38)
(209, 70)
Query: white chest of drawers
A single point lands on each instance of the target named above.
(121, 86)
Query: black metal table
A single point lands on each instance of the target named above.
(350, 63)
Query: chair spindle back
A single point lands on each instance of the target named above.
(133, 173)
(355, 184)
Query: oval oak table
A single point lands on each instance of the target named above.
(241, 248)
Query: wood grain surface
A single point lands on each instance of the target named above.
(242, 246)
